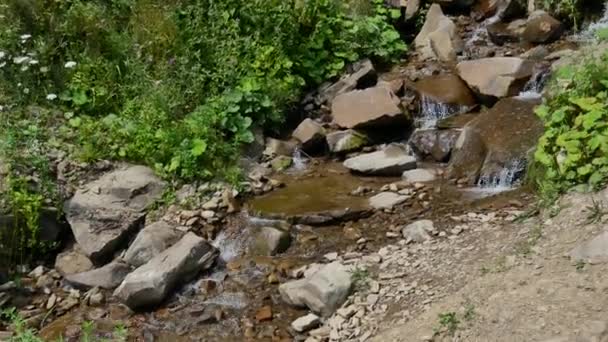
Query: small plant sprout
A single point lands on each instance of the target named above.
(360, 278)
(448, 323)
(595, 212)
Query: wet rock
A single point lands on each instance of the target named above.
(501, 33)
(386, 200)
(542, 28)
(270, 241)
(281, 163)
(435, 144)
(331, 217)
(497, 139)
(306, 323)
(419, 175)
(107, 277)
(311, 134)
(108, 210)
(149, 284)
(412, 7)
(418, 231)
(346, 141)
(496, 77)
(593, 251)
(71, 262)
(372, 107)
(151, 241)
(264, 314)
(391, 161)
(275, 147)
(322, 292)
(363, 75)
(438, 37)
(446, 88)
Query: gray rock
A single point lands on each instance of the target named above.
(386, 200)
(151, 241)
(149, 284)
(346, 141)
(391, 161)
(106, 277)
(322, 292)
(110, 209)
(372, 107)
(363, 76)
(419, 175)
(418, 231)
(311, 134)
(496, 77)
(542, 28)
(593, 251)
(438, 37)
(433, 143)
(306, 323)
(270, 241)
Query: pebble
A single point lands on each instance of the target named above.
(305, 323)
(331, 256)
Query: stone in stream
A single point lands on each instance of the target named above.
(368, 108)
(346, 141)
(418, 231)
(269, 241)
(306, 323)
(106, 277)
(593, 251)
(446, 89)
(151, 241)
(386, 200)
(419, 175)
(276, 147)
(72, 262)
(495, 140)
(434, 144)
(322, 292)
(106, 212)
(390, 161)
(438, 37)
(501, 33)
(149, 284)
(541, 28)
(363, 75)
(496, 77)
(310, 134)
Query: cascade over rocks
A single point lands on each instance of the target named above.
(542, 28)
(372, 107)
(390, 161)
(151, 241)
(496, 77)
(149, 284)
(504, 134)
(446, 88)
(105, 212)
(438, 37)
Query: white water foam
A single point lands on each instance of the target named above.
(507, 179)
(230, 247)
(589, 34)
(534, 88)
(432, 111)
(299, 160)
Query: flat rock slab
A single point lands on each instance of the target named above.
(105, 212)
(419, 175)
(322, 292)
(107, 277)
(391, 161)
(149, 284)
(496, 76)
(594, 251)
(386, 200)
(372, 107)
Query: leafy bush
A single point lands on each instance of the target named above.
(179, 85)
(574, 147)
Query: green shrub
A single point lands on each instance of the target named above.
(574, 147)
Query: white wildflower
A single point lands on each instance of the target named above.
(26, 90)
(51, 97)
(70, 64)
(25, 68)
(2, 54)
(22, 59)
(2, 64)
(34, 62)
(26, 36)
(44, 70)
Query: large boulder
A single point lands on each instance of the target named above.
(106, 277)
(362, 75)
(391, 161)
(496, 77)
(106, 212)
(434, 144)
(372, 107)
(310, 134)
(496, 139)
(346, 141)
(149, 284)
(322, 292)
(447, 89)
(438, 37)
(151, 241)
(542, 28)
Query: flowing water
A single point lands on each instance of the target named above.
(534, 88)
(589, 34)
(432, 111)
(507, 179)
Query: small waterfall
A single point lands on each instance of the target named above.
(506, 179)
(230, 247)
(432, 111)
(299, 161)
(589, 34)
(534, 88)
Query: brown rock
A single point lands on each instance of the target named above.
(371, 107)
(72, 262)
(363, 75)
(438, 37)
(264, 314)
(446, 88)
(542, 28)
(311, 134)
(496, 77)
